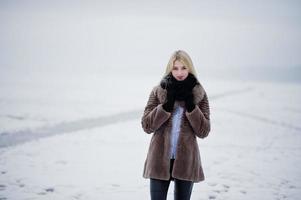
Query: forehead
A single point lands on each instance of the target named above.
(178, 63)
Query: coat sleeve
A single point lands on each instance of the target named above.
(154, 115)
(199, 118)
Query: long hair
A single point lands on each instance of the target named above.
(184, 58)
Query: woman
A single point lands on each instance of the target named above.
(177, 112)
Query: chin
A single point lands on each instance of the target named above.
(182, 79)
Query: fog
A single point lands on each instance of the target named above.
(226, 39)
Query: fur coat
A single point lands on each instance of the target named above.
(187, 165)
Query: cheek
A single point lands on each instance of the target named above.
(185, 73)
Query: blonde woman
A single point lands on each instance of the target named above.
(177, 112)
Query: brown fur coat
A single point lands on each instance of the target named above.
(187, 165)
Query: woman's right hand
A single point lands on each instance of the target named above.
(171, 94)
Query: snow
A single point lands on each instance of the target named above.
(85, 139)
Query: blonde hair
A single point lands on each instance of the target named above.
(184, 58)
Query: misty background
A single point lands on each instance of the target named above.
(84, 39)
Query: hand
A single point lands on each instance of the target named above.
(189, 104)
(171, 93)
(190, 82)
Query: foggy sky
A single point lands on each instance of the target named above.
(98, 35)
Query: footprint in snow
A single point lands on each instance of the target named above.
(49, 189)
(46, 191)
(226, 187)
(243, 191)
(2, 187)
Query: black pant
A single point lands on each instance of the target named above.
(159, 188)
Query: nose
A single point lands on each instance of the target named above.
(180, 73)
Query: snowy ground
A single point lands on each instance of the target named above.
(88, 144)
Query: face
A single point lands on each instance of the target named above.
(179, 71)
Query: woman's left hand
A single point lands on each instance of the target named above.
(189, 104)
